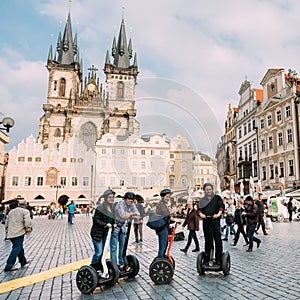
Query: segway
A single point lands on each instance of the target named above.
(161, 270)
(88, 278)
(205, 264)
(131, 264)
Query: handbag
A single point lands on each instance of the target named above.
(156, 222)
(229, 219)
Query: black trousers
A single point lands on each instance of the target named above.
(192, 236)
(262, 223)
(241, 230)
(212, 235)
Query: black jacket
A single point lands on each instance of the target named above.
(100, 220)
(252, 214)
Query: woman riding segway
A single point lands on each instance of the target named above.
(210, 209)
(101, 271)
(161, 269)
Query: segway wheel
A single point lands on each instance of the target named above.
(161, 271)
(86, 279)
(134, 264)
(114, 273)
(200, 263)
(226, 263)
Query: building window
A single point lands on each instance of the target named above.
(287, 111)
(120, 86)
(172, 167)
(15, 181)
(161, 152)
(122, 164)
(250, 149)
(143, 152)
(85, 181)
(102, 164)
(143, 165)
(240, 133)
(103, 151)
(281, 169)
(264, 173)
(38, 159)
(152, 152)
(183, 182)
(21, 158)
(122, 182)
(241, 154)
(278, 115)
(255, 169)
(134, 152)
(262, 123)
(134, 164)
(102, 181)
(57, 132)
(72, 159)
(74, 181)
(27, 181)
(80, 160)
(122, 151)
(271, 171)
(184, 167)
(63, 181)
(245, 129)
(270, 142)
(29, 159)
(254, 147)
(172, 182)
(55, 85)
(134, 181)
(62, 87)
(253, 124)
(112, 181)
(269, 120)
(143, 181)
(289, 136)
(280, 140)
(171, 155)
(64, 159)
(291, 167)
(263, 145)
(39, 181)
(249, 126)
(119, 124)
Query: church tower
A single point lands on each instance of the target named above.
(121, 77)
(73, 107)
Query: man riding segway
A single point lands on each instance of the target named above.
(210, 209)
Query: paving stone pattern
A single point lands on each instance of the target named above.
(270, 272)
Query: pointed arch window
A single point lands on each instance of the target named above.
(120, 91)
(57, 132)
(62, 87)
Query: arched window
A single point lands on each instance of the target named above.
(57, 132)
(55, 85)
(62, 87)
(119, 124)
(120, 86)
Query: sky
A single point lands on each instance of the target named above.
(192, 55)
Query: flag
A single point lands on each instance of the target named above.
(282, 192)
(251, 186)
(259, 189)
(232, 189)
(242, 189)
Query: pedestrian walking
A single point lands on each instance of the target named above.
(102, 221)
(240, 221)
(123, 211)
(71, 212)
(210, 209)
(290, 208)
(192, 222)
(261, 211)
(251, 214)
(229, 219)
(138, 222)
(18, 223)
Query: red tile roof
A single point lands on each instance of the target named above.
(259, 95)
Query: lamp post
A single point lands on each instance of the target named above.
(7, 122)
(57, 186)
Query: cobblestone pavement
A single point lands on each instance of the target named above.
(270, 272)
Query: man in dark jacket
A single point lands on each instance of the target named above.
(260, 207)
(251, 214)
(239, 221)
(210, 209)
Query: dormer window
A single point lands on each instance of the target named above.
(272, 87)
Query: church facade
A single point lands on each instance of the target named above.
(93, 128)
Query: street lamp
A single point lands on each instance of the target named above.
(7, 123)
(57, 186)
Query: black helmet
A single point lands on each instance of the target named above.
(129, 195)
(107, 193)
(164, 192)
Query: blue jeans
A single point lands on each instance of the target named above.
(231, 228)
(70, 218)
(117, 237)
(250, 233)
(162, 242)
(16, 251)
(98, 247)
